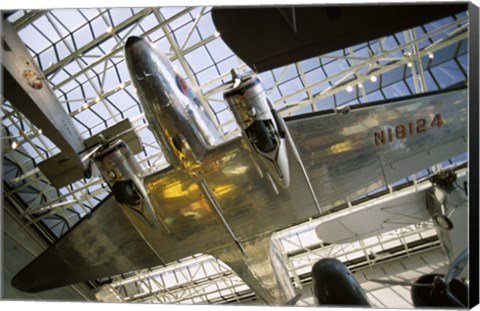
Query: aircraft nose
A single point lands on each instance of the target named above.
(131, 41)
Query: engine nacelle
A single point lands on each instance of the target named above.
(120, 169)
(260, 124)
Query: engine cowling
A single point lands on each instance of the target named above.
(121, 171)
(260, 124)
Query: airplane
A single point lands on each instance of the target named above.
(226, 198)
(429, 290)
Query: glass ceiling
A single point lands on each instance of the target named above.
(80, 52)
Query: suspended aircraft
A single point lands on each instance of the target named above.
(226, 197)
(335, 285)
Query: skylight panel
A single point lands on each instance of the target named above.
(132, 30)
(227, 64)
(99, 26)
(206, 26)
(274, 95)
(182, 20)
(344, 97)
(156, 35)
(89, 119)
(448, 74)
(124, 103)
(44, 26)
(34, 39)
(463, 60)
(118, 15)
(392, 76)
(375, 96)
(225, 116)
(199, 59)
(372, 84)
(326, 103)
(16, 15)
(184, 37)
(314, 76)
(285, 73)
(218, 50)
(309, 64)
(397, 89)
(109, 44)
(292, 86)
(89, 14)
(164, 45)
(48, 57)
(444, 54)
(267, 79)
(71, 19)
(207, 75)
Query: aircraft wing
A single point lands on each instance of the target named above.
(230, 208)
(345, 156)
(227, 212)
(102, 244)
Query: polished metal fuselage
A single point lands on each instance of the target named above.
(213, 199)
(264, 133)
(175, 115)
(196, 197)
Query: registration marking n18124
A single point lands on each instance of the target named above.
(402, 131)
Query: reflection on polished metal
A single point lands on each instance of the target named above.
(239, 206)
(263, 129)
(345, 156)
(175, 115)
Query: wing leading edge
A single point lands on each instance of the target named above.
(102, 244)
(341, 159)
